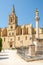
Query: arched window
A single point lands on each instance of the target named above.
(4, 32)
(11, 20)
(18, 31)
(10, 44)
(24, 30)
(12, 33)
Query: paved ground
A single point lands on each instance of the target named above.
(14, 59)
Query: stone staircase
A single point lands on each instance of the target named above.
(4, 55)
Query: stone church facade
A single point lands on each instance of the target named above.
(16, 36)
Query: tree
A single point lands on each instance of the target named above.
(0, 44)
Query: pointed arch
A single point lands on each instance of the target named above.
(24, 30)
(4, 32)
(18, 31)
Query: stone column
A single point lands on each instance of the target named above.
(37, 23)
(32, 50)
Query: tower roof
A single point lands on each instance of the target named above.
(13, 10)
(37, 10)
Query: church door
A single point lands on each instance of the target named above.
(11, 45)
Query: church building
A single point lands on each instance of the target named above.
(16, 36)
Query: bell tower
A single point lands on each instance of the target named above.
(12, 24)
(13, 19)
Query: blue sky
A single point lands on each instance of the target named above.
(25, 10)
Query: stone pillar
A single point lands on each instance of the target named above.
(32, 50)
(37, 23)
(37, 29)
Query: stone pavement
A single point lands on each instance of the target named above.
(15, 59)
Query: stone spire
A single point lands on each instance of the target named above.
(13, 10)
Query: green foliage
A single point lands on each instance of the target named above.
(0, 44)
(13, 48)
